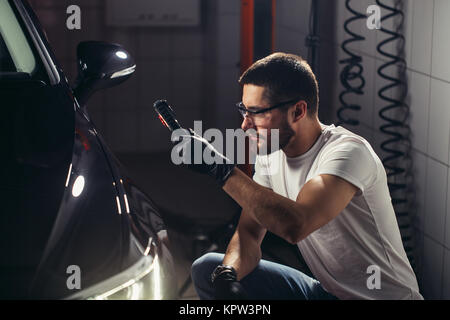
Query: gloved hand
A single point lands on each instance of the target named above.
(226, 286)
(220, 169)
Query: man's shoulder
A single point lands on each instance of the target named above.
(340, 137)
(339, 133)
(351, 157)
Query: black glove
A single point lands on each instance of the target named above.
(226, 286)
(186, 144)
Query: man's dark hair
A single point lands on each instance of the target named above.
(284, 77)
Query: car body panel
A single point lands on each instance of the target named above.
(65, 198)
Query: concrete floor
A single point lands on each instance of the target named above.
(197, 213)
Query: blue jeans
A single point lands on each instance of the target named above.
(268, 281)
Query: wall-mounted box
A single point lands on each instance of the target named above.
(162, 13)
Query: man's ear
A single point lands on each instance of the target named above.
(300, 110)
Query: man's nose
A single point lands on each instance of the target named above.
(246, 124)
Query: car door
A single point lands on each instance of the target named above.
(60, 201)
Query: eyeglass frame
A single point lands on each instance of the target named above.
(243, 110)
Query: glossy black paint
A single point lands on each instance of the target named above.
(48, 142)
(99, 67)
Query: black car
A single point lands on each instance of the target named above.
(73, 225)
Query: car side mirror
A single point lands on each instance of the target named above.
(101, 65)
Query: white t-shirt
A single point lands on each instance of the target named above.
(340, 254)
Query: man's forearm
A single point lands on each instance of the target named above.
(243, 254)
(274, 212)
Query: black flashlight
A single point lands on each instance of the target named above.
(166, 115)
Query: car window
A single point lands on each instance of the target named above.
(6, 62)
(16, 54)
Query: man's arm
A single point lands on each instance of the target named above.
(244, 249)
(320, 200)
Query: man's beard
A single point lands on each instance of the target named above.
(286, 133)
(264, 144)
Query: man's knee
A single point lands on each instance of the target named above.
(203, 267)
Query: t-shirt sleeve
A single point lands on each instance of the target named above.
(261, 175)
(352, 161)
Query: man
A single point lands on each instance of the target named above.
(325, 190)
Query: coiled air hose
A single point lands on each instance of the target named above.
(396, 146)
(394, 114)
(351, 75)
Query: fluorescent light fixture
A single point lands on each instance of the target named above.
(156, 280)
(149, 245)
(127, 207)
(119, 209)
(123, 72)
(68, 175)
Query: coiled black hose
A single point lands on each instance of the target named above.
(395, 115)
(351, 75)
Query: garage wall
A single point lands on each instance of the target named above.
(222, 55)
(194, 68)
(428, 75)
(292, 28)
